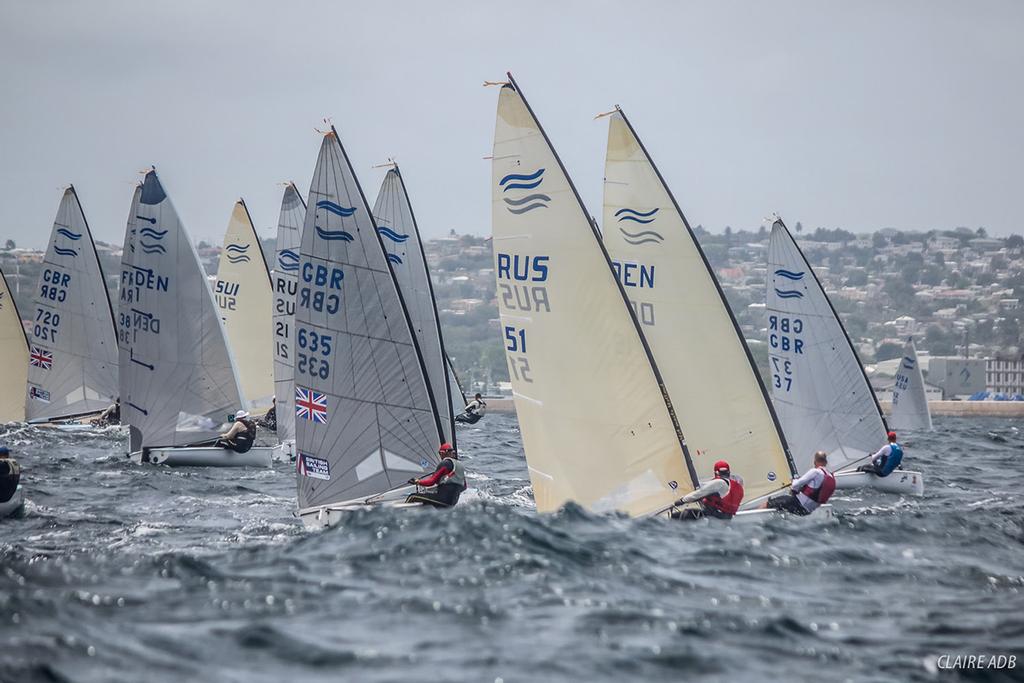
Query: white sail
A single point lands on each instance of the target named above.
(125, 334)
(400, 234)
(179, 383)
(818, 385)
(72, 345)
(721, 405)
(13, 357)
(243, 294)
(366, 419)
(285, 279)
(909, 403)
(458, 396)
(596, 421)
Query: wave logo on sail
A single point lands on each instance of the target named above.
(64, 252)
(391, 234)
(395, 258)
(641, 237)
(288, 260)
(789, 293)
(73, 236)
(336, 209)
(908, 363)
(152, 247)
(524, 181)
(636, 216)
(236, 253)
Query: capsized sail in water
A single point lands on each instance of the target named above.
(73, 357)
(909, 403)
(688, 323)
(243, 294)
(597, 422)
(396, 224)
(820, 391)
(13, 357)
(178, 385)
(366, 417)
(285, 279)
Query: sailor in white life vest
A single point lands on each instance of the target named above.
(474, 411)
(809, 491)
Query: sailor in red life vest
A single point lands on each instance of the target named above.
(449, 478)
(814, 488)
(720, 497)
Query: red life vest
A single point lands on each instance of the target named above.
(821, 494)
(729, 503)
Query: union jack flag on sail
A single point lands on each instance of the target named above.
(41, 358)
(311, 405)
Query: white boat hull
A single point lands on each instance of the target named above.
(329, 515)
(759, 516)
(905, 482)
(12, 506)
(209, 456)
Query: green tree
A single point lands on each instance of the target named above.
(939, 259)
(10, 245)
(1014, 242)
(878, 241)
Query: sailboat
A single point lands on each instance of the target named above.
(819, 388)
(716, 390)
(367, 418)
(909, 403)
(597, 423)
(243, 294)
(396, 224)
(14, 352)
(178, 379)
(72, 370)
(285, 279)
(455, 390)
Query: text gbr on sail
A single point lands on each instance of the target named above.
(55, 285)
(319, 297)
(783, 333)
(521, 268)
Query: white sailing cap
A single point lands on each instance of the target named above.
(241, 413)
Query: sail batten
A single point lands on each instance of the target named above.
(366, 419)
(244, 297)
(909, 402)
(179, 383)
(73, 347)
(597, 422)
(820, 390)
(285, 278)
(720, 402)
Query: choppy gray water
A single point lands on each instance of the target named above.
(125, 573)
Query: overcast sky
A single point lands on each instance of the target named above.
(859, 115)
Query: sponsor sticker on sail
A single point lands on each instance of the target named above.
(312, 466)
(37, 394)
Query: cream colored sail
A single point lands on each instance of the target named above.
(720, 402)
(13, 357)
(596, 423)
(244, 298)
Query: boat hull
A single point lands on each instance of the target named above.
(759, 516)
(209, 456)
(326, 516)
(12, 506)
(904, 482)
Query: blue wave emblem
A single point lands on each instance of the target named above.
(152, 248)
(636, 216)
(74, 236)
(333, 235)
(392, 235)
(522, 181)
(236, 253)
(336, 209)
(288, 260)
(395, 258)
(153, 234)
(789, 293)
(642, 237)
(790, 275)
(908, 363)
(65, 252)
(149, 220)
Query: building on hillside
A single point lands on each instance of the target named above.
(1004, 374)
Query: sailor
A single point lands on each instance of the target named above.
(111, 415)
(10, 475)
(269, 421)
(242, 434)
(887, 459)
(449, 477)
(474, 411)
(720, 497)
(809, 491)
